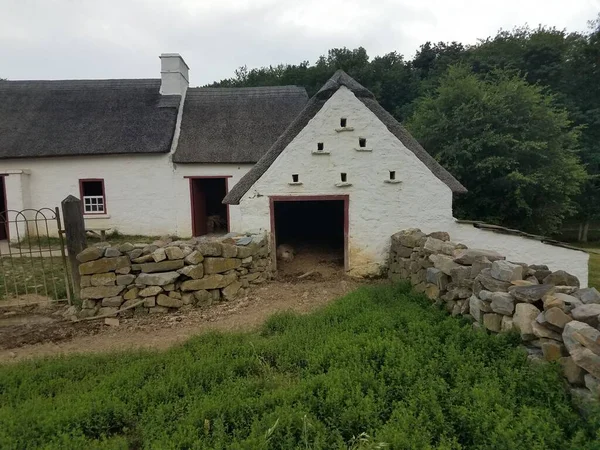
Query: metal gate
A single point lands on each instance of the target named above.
(33, 263)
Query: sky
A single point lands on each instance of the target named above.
(82, 39)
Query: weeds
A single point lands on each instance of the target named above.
(378, 367)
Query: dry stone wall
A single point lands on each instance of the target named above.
(167, 275)
(557, 321)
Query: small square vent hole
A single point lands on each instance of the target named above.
(320, 147)
(362, 142)
(343, 122)
(295, 178)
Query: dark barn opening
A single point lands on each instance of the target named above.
(209, 214)
(315, 230)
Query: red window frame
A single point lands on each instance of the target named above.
(101, 180)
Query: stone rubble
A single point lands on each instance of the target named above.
(555, 319)
(166, 275)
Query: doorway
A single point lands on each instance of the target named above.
(209, 214)
(3, 211)
(316, 227)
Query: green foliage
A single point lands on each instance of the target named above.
(507, 143)
(378, 368)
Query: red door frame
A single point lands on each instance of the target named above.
(6, 227)
(308, 198)
(191, 178)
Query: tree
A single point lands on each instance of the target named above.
(507, 142)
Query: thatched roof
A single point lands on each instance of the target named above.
(340, 78)
(235, 125)
(85, 117)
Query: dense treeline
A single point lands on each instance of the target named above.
(516, 117)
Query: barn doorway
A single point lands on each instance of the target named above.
(316, 227)
(209, 214)
(3, 211)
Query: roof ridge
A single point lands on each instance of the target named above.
(339, 79)
(75, 84)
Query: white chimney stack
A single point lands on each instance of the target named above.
(173, 74)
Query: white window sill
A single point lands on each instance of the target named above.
(320, 152)
(344, 184)
(363, 149)
(96, 216)
(392, 181)
(295, 183)
(339, 130)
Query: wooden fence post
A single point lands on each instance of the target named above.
(76, 240)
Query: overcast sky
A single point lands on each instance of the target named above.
(59, 39)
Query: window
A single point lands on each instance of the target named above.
(93, 197)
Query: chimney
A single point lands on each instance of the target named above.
(173, 74)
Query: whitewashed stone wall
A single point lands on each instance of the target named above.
(556, 318)
(145, 194)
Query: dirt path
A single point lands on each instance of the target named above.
(49, 335)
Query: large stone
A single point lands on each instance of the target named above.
(491, 284)
(131, 293)
(209, 248)
(557, 317)
(461, 276)
(553, 350)
(124, 280)
(194, 272)
(506, 271)
(126, 247)
(541, 331)
(112, 301)
(103, 265)
(587, 313)
(523, 319)
(593, 384)
(572, 372)
(441, 235)
(231, 291)
(150, 291)
(479, 264)
(409, 238)
(228, 250)
(245, 251)
(530, 294)
(149, 302)
(475, 308)
(174, 253)
(142, 259)
(431, 291)
(203, 297)
(169, 302)
(492, 322)
(108, 311)
(578, 334)
(159, 254)
(502, 303)
(437, 277)
(112, 252)
(433, 245)
(194, 258)
(157, 279)
(588, 295)
(98, 292)
(401, 250)
(90, 254)
(443, 263)
(220, 265)
(507, 324)
(214, 281)
(103, 279)
(468, 256)
(561, 278)
(163, 266)
(587, 360)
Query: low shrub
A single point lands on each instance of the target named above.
(379, 366)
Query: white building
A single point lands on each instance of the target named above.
(147, 156)
(155, 157)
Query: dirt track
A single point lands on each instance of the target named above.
(46, 334)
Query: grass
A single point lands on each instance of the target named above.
(22, 276)
(594, 264)
(114, 238)
(378, 366)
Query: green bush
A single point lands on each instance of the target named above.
(380, 366)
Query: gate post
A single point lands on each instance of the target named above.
(75, 236)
